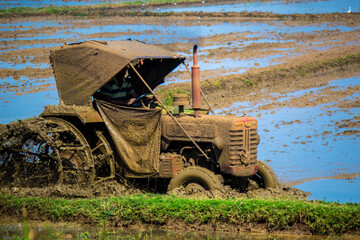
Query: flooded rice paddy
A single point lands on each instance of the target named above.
(4, 4)
(303, 143)
(281, 7)
(275, 6)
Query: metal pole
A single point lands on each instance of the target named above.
(202, 93)
(195, 82)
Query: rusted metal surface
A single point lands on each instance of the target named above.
(239, 170)
(235, 137)
(170, 164)
(195, 130)
(195, 69)
(201, 91)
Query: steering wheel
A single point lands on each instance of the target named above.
(144, 100)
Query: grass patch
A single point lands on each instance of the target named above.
(167, 95)
(318, 217)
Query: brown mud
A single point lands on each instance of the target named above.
(123, 188)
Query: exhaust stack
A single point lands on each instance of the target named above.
(195, 77)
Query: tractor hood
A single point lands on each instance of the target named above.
(83, 68)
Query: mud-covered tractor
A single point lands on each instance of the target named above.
(84, 139)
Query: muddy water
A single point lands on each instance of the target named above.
(63, 231)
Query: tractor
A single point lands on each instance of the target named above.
(84, 139)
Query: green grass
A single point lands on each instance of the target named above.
(318, 217)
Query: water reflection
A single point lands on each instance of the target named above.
(63, 231)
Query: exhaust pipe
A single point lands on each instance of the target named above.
(195, 77)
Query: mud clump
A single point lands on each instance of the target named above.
(115, 188)
(102, 189)
(227, 192)
(349, 123)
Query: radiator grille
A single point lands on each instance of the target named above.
(241, 140)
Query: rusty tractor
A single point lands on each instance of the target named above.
(85, 139)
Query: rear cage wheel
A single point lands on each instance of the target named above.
(40, 152)
(77, 165)
(103, 158)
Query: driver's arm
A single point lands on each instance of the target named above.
(133, 97)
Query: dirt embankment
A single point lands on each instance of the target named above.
(223, 91)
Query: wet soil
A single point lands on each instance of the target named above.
(123, 188)
(103, 189)
(295, 57)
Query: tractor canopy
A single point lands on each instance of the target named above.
(81, 69)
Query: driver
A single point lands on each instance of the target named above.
(118, 90)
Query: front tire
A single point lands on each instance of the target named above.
(265, 176)
(195, 177)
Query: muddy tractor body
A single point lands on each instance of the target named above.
(186, 148)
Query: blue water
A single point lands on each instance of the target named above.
(30, 102)
(281, 7)
(333, 190)
(170, 33)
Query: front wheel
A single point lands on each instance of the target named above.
(265, 176)
(198, 178)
